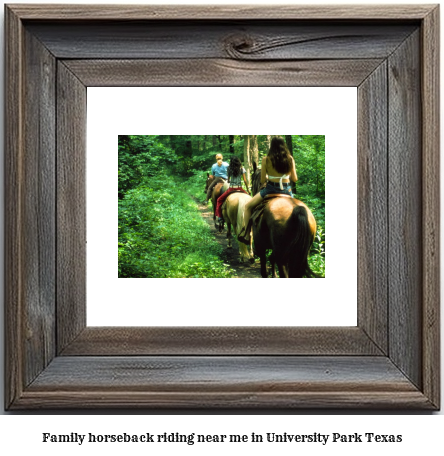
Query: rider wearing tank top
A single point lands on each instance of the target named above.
(278, 182)
(273, 175)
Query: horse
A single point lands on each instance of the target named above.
(233, 213)
(214, 195)
(288, 228)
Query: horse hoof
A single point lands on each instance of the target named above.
(251, 260)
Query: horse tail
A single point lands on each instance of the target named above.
(242, 202)
(301, 240)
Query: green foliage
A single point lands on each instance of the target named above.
(141, 157)
(316, 205)
(309, 154)
(317, 257)
(161, 234)
(319, 243)
(197, 152)
(317, 264)
(195, 185)
(194, 151)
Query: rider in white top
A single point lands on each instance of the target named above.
(278, 157)
(280, 179)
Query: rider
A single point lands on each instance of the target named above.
(236, 172)
(219, 169)
(279, 166)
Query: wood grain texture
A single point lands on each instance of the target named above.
(127, 341)
(217, 72)
(38, 222)
(246, 401)
(245, 40)
(372, 207)
(430, 94)
(234, 382)
(220, 12)
(405, 209)
(89, 373)
(30, 226)
(71, 206)
(13, 209)
(209, 373)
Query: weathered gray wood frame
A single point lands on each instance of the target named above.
(390, 360)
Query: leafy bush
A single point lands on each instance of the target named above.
(141, 157)
(195, 185)
(317, 264)
(317, 257)
(161, 234)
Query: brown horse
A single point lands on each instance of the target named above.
(233, 212)
(288, 228)
(214, 195)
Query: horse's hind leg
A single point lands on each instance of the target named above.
(273, 266)
(229, 246)
(214, 218)
(283, 271)
(263, 259)
(214, 201)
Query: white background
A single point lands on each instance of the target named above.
(177, 302)
(423, 433)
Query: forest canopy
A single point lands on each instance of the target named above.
(160, 180)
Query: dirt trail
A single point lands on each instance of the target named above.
(230, 256)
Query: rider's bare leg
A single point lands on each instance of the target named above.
(247, 214)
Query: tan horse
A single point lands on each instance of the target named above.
(233, 213)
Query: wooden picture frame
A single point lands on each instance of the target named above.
(390, 360)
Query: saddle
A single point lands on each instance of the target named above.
(223, 189)
(259, 209)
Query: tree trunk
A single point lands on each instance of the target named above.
(289, 143)
(247, 156)
(189, 148)
(124, 140)
(254, 148)
(231, 139)
(173, 143)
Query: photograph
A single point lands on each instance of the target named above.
(262, 213)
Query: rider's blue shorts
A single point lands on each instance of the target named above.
(274, 187)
